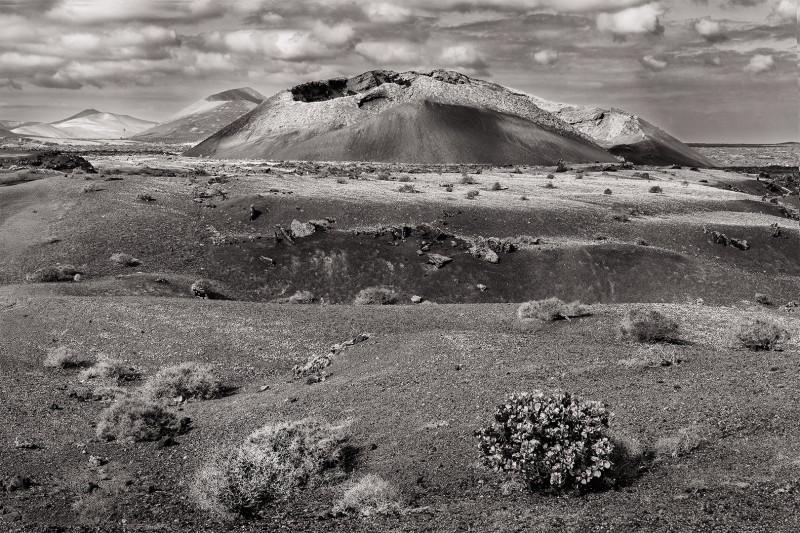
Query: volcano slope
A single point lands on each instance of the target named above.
(428, 117)
(203, 118)
(628, 136)
(429, 375)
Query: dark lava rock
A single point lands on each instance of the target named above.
(57, 161)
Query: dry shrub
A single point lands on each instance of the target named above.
(64, 357)
(656, 189)
(549, 185)
(407, 188)
(497, 186)
(52, 274)
(607, 191)
(301, 297)
(763, 299)
(110, 370)
(187, 380)
(124, 259)
(466, 179)
(687, 440)
(271, 464)
(762, 333)
(551, 309)
(376, 296)
(643, 325)
(371, 495)
(135, 420)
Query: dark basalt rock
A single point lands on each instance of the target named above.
(319, 91)
(57, 161)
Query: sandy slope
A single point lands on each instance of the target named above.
(204, 117)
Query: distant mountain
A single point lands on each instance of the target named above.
(627, 135)
(88, 124)
(84, 113)
(41, 129)
(430, 117)
(205, 117)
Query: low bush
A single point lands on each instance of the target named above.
(124, 259)
(656, 189)
(135, 420)
(110, 370)
(383, 176)
(686, 440)
(763, 299)
(271, 464)
(549, 185)
(496, 186)
(551, 309)
(472, 194)
(407, 188)
(404, 179)
(552, 442)
(762, 333)
(202, 288)
(607, 191)
(649, 326)
(376, 296)
(466, 179)
(186, 380)
(53, 274)
(301, 297)
(64, 357)
(371, 495)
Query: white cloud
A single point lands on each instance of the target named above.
(391, 52)
(786, 10)
(635, 20)
(653, 63)
(546, 57)
(710, 30)
(759, 64)
(463, 56)
(388, 13)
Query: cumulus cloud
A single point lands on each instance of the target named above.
(388, 13)
(759, 64)
(654, 63)
(391, 52)
(785, 10)
(464, 56)
(711, 30)
(643, 19)
(546, 57)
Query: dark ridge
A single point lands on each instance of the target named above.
(318, 91)
(656, 154)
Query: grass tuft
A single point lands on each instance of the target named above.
(649, 326)
(187, 380)
(369, 496)
(376, 296)
(271, 464)
(64, 357)
(136, 420)
(552, 309)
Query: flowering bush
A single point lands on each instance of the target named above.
(556, 442)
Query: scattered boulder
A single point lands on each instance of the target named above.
(416, 299)
(439, 260)
(301, 229)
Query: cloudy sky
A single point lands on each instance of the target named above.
(704, 70)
